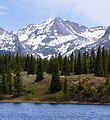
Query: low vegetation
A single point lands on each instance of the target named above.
(80, 77)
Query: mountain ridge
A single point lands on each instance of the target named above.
(54, 35)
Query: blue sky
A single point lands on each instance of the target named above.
(15, 14)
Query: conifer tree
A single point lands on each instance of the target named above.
(98, 64)
(108, 63)
(2, 66)
(55, 84)
(85, 67)
(45, 62)
(27, 63)
(18, 60)
(32, 66)
(92, 62)
(4, 83)
(9, 81)
(104, 60)
(60, 61)
(75, 65)
(17, 82)
(107, 79)
(40, 74)
(71, 62)
(6, 63)
(79, 64)
(65, 67)
(50, 65)
(65, 87)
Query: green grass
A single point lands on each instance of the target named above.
(40, 91)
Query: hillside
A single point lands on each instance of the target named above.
(94, 90)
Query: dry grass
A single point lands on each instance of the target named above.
(39, 91)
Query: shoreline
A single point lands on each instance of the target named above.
(54, 102)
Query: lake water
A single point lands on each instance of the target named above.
(31, 111)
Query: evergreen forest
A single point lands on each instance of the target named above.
(80, 76)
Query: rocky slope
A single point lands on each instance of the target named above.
(54, 35)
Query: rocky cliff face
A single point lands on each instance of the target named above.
(54, 35)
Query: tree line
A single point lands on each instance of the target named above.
(11, 66)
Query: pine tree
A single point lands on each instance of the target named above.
(17, 82)
(9, 80)
(5, 89)
(108, 63)
(98, 64)
(60, 61)
(2, 66)
(30, 65)
(45, 63)
(107, 79)
(75, 65)
(6, 63)
(55, 84)
(92, 62)
(85, 67)
(65, 67)
(79, 64)
(104, 60)
(65, 87)
(17, 60)
(50, 65)
(72, 62)
(27, 63)
(40, 74)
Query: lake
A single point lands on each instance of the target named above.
(32, 111)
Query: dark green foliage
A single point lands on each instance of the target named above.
(50, 65)
(65, 67)
(65, 87)
(108, 64)
(80, 86)
(60, 61)
(30, 65)
(27, 63)
(107, 79)
(104, 61)
(2, 67)
(45, 63)
(75, 65)
(17, 82)
(55, 84)
(6, 63)
(92, 62)
(9, 82)
(72, 63)
(40, 74)
(79, 69)
(5, 89)
(98, 64)
(17, 59)
(85, 66)
(101, 90)
(108, 86)
(88, 92)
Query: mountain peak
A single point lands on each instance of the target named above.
(54, 35)
(107, 32)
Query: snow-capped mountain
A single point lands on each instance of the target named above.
(54, 35)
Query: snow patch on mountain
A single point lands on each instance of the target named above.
(54, 35)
